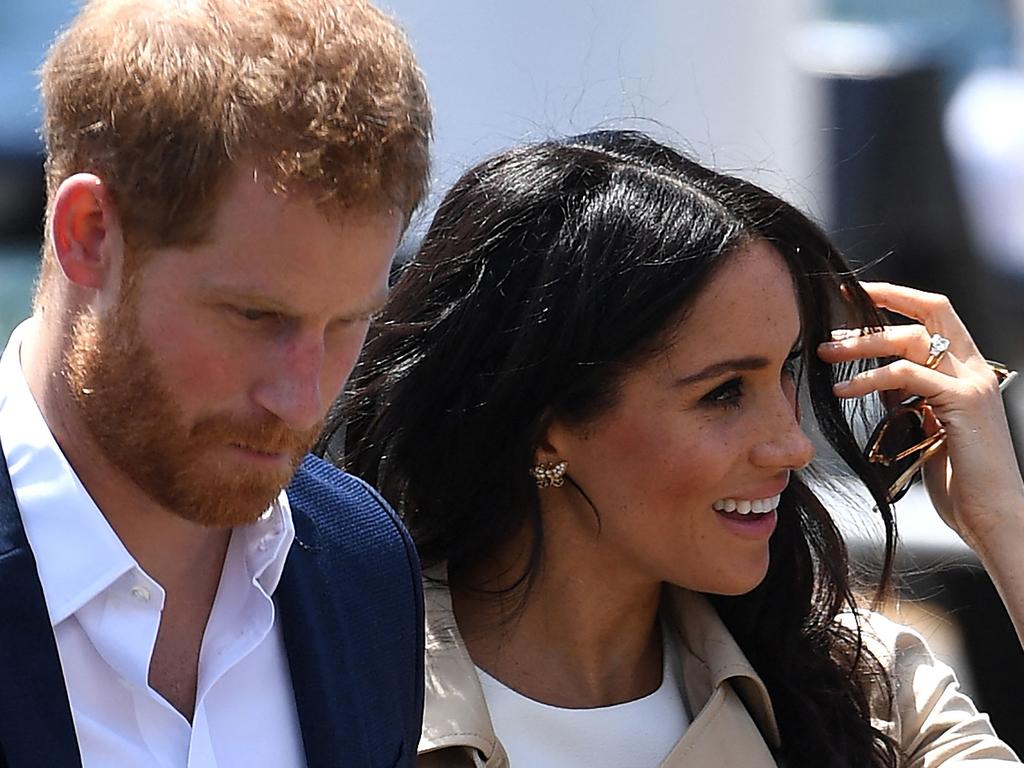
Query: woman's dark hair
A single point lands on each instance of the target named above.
(548, 273)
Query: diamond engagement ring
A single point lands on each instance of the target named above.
(937, 346)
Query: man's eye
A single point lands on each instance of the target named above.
(254, 315)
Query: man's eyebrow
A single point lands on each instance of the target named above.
(241, 296)
(374, 306)
(733, 365)
(266, 303)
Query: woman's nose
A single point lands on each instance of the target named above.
(784, 445)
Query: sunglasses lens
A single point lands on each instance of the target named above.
(889, 448)
(900, 446)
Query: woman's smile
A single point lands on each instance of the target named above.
(680, 478)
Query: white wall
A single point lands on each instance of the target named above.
(716, 76)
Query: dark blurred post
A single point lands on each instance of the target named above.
(985, 133)
(897, 213)
(894, 208)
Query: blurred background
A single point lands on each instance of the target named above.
(898, 124)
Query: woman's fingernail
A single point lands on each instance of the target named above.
(840, 386)
(839, 334)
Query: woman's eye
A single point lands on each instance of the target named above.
(793, 367)
(727, 394)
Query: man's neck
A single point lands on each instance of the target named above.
(185, 558)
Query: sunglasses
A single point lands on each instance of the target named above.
(900, 445)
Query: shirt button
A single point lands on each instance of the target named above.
(264, 543)
(140, 593)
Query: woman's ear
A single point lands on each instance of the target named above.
(86, 232)
(552, 441)
(549, 462)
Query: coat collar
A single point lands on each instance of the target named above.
(711, 657)
(455, 713)
(732, 713)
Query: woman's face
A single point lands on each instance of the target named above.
(705, 426)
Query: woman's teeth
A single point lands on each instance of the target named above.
(746, 506)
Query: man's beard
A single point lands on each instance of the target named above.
(134, 419)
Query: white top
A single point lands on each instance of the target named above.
(635, 734)
(106, 610)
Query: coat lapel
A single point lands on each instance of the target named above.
(733, 720)
(318, 655)
(35, 717)
(724, 734)
(455, 715)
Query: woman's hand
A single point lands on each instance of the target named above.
(974, 481)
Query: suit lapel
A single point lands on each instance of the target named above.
(35, 718)
(312, 623)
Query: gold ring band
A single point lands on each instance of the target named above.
(937, 346)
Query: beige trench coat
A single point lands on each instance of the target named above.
(733, 723)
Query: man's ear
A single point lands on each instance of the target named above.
(86, 232)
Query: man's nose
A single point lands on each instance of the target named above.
(292, 391)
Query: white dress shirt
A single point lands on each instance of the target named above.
(105, 611)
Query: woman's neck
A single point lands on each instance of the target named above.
(583, 637)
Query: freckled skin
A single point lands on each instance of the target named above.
(211, 377)
(655, 463)
(316, 269)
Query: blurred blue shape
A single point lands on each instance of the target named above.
(26, 30)
(18, 267)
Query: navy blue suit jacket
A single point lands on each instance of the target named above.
(351, 609)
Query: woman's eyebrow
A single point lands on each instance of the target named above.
(732, 365)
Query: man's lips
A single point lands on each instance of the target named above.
(270, 456)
